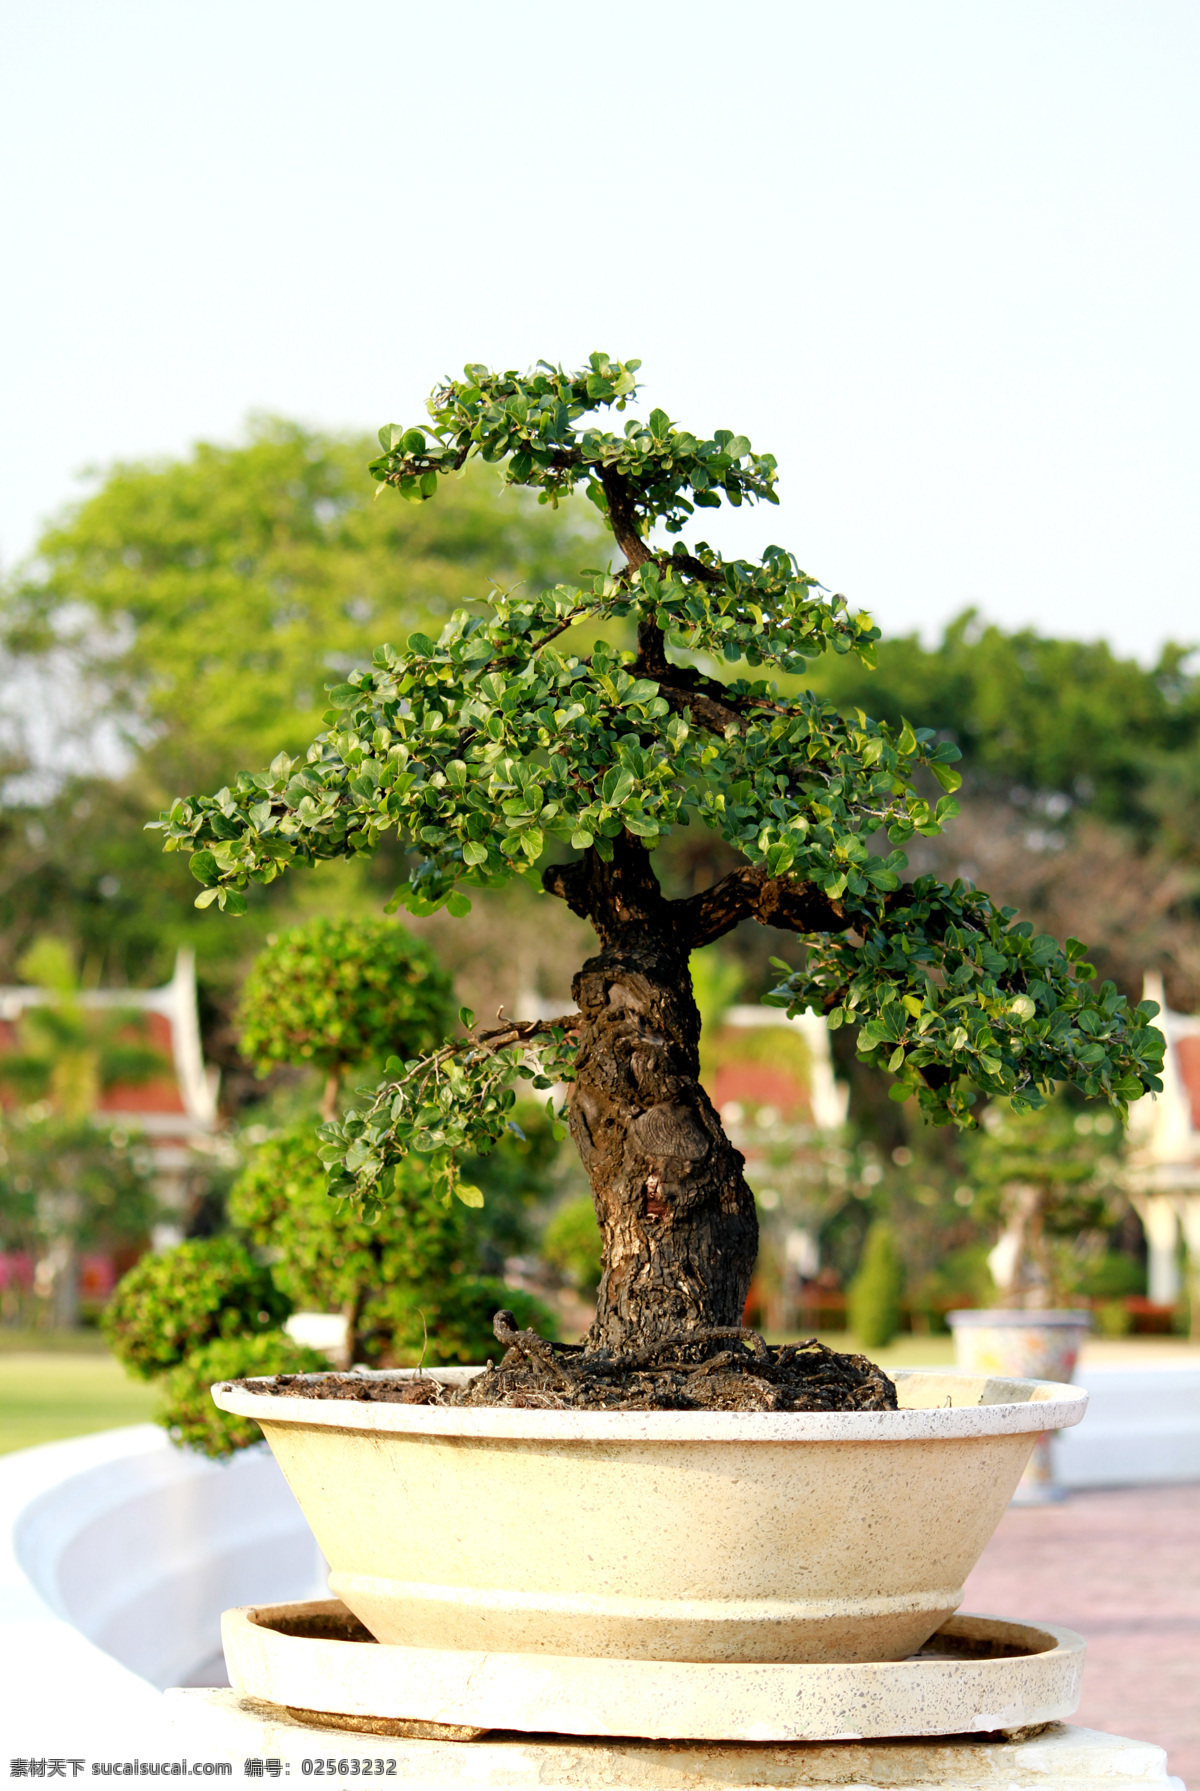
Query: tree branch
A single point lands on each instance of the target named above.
(622, 514)
(750, 894)
(614, 894)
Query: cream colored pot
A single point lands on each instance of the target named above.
(701, 1536)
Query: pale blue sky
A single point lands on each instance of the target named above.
(939, 256)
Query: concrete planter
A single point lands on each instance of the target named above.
(688, 1536)
(1031, 1345)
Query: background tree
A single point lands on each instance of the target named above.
(336, 993)
(874, 1295)
(323, 996)
(405, 1281)
(183, 618)
(71, 1185)
(1052, 1177)
(67, 1187)
(205, 1311)
(500, 737)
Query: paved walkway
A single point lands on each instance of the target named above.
(1122, 1568)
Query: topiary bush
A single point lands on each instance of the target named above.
(404, 1282)
(172, 1304)
(332, 993)
(873, 1297)
(186, 1408)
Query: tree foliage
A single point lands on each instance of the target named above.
(189, 612)
(186, 1408)
(499, 742)
(202, 601)
(1055, 717)
(874, 1295)
(332, 993)
(172, 1304)
(404, 1282)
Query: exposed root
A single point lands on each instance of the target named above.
(726, 1370)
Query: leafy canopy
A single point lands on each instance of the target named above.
(502, 740)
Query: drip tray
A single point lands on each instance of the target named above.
(976, 1675)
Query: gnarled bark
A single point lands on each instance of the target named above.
(678, 1221)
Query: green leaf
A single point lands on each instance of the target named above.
(907, 743)
(469, 1194)
(947, 776)
(617, 785)
(204, 867)
(206, 898)
(474, 853)
(233, 902)
(466, 1017)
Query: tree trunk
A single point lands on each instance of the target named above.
(329, 1096)
(678, 1221)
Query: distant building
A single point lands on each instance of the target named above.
(175, 1110)
(805, 1090)
(1164, 1160)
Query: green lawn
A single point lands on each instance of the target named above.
(45, 1395)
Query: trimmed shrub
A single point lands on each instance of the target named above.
(338, 992)
(403, 1279)
(186, 1408)
(172, 1304)
(873, 1297)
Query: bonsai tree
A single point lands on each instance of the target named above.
(1050, 1177)
(524, 743)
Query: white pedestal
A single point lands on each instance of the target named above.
(213, 1725)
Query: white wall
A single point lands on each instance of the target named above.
(1142, 1428)
(118, 1554)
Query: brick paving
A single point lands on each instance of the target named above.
(1122, 1568)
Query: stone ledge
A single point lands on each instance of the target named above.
(213, 1724)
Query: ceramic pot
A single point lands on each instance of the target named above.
(701, 1536)
(1033, 1345)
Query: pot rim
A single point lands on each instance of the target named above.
(1058, 1318)
(1014, 1406)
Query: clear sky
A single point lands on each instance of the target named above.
(939, 256)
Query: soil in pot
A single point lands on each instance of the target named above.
(723, 1370)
